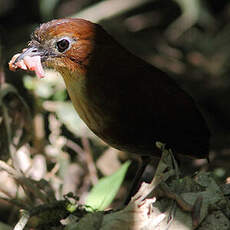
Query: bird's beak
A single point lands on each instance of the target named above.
(31, 52)
(30, 59)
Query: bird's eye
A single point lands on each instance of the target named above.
(62, 45)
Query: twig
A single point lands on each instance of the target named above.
(86, 183)
(23, 220)
(180, 201)
(26, 183)
(76, 148)
(16, 202)
(196, 213)
(89, 160)
(53, 171)
(190, 15)
(108, 9)
(45, 214)
(2, 75)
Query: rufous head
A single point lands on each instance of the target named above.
(63, 44)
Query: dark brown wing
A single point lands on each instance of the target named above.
(141, 105)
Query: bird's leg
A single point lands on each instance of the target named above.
(174, 165)
(165, 170)
(136, 182)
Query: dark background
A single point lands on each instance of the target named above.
(189, 39)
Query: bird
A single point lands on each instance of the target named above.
(127, 102)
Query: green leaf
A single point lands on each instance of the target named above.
(103, 193)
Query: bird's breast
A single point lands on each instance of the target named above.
(88, 113)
